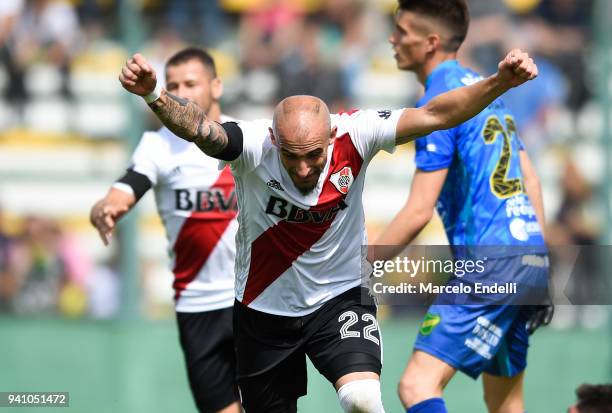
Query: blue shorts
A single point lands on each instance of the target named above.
(476, 338)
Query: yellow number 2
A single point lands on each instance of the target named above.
(501, 186)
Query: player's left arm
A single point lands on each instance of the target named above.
(543, 313)
(449, 109)
(412, 218)
(532, 187)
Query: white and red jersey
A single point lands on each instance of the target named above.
(295, 251)
(197, 204)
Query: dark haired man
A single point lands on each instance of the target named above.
(197, 204)
(299, 179)
(479, 177)
(593, 398)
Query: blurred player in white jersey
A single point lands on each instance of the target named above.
(299, 181)
(197, 203)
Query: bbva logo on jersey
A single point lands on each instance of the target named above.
(343, 179)
(212, 200)
(291, 213)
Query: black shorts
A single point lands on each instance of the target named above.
(339, 338)
(207, 342)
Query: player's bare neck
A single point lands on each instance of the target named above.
(430, 65)
(214, 112)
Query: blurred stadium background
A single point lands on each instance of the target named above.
(99, 323)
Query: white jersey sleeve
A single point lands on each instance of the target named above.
(255, 143)
(371, 130)
(145, 159)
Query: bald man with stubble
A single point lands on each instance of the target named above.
(299, 180)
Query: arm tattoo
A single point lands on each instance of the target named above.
(188, 121)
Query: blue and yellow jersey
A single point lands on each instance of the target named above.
(482, 201)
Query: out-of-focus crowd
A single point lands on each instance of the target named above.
(44, 271)
(59, 60)
(53, 51)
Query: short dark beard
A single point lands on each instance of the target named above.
(306, 191)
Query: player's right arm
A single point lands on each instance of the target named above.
(184, 118)
(106, 212)
(119, 200)
(413, 216)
